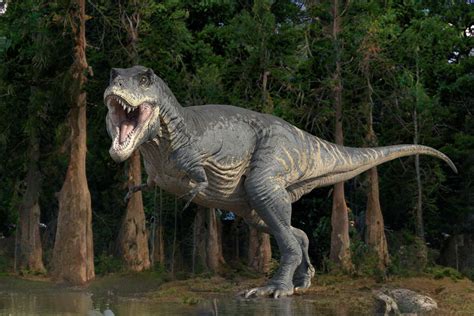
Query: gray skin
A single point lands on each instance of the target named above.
(221, 156)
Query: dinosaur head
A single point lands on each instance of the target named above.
(133, 102)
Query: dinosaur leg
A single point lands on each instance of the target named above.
(272, 204)
(305, 271)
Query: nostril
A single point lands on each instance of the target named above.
(119, 82)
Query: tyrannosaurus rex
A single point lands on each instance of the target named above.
(226, 157)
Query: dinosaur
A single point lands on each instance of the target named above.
(220, 156)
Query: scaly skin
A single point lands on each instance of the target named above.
(226, 157)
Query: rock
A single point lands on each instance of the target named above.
(402, 301)
(108, 312)
(385, 305)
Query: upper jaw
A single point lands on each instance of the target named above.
(125, 123)
(121, 100)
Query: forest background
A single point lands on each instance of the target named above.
(400, 72)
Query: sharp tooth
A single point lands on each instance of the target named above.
(129, 109)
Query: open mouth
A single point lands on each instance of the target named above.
(126, 118)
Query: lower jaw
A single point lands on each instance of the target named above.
(119, 147)
(119, 155)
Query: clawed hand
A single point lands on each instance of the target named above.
(136, 188)
(189, 197)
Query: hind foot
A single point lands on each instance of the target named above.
(275, 291)
(302, 277)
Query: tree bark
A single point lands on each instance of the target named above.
(340, 243)
(199, 242)
(260, 251)
(422, 254)
(158, 255)
(207, 252)
(133, 240)
(73, 257)
(215, 259)
(420, 230)
(374, 233)
(175, 236)
(31, 252)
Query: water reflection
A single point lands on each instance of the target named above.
(57, 303)
(49, 300)
(260, 307)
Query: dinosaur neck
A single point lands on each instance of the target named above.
(172, 124)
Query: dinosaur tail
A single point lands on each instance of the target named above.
(363, 159)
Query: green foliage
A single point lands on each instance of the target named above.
(5, 265)
(439, 272)
(365, 260)
(469, 273)
(192, 300)
(105, 264)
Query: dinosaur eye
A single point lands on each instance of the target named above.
(144, 81)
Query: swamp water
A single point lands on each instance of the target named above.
(20, 297)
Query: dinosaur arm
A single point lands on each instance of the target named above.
(188, 160)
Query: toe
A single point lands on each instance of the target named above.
(250, 292)
(270, 290)
(303, 285)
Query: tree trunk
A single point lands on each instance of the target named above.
(260, 251)
(207, 252)
(158, 255)
(175, 236)
(215, 259)
(73, 257)
(340, 243)
(133, 240)
(422, 254)
(374, 233)
(31, 252)
(420, 230)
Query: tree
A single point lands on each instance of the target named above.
(370, 51)
(340, 243)
(133, 240)
(158, 243)
(73, 257)
(260, 250)
(31, 251)
(207, 241)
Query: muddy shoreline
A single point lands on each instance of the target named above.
(145, 294)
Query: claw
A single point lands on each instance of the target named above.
(127, 197)
(304, 285)
(250, 292)
(192, 194)
(140, 187)
(276, 291)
